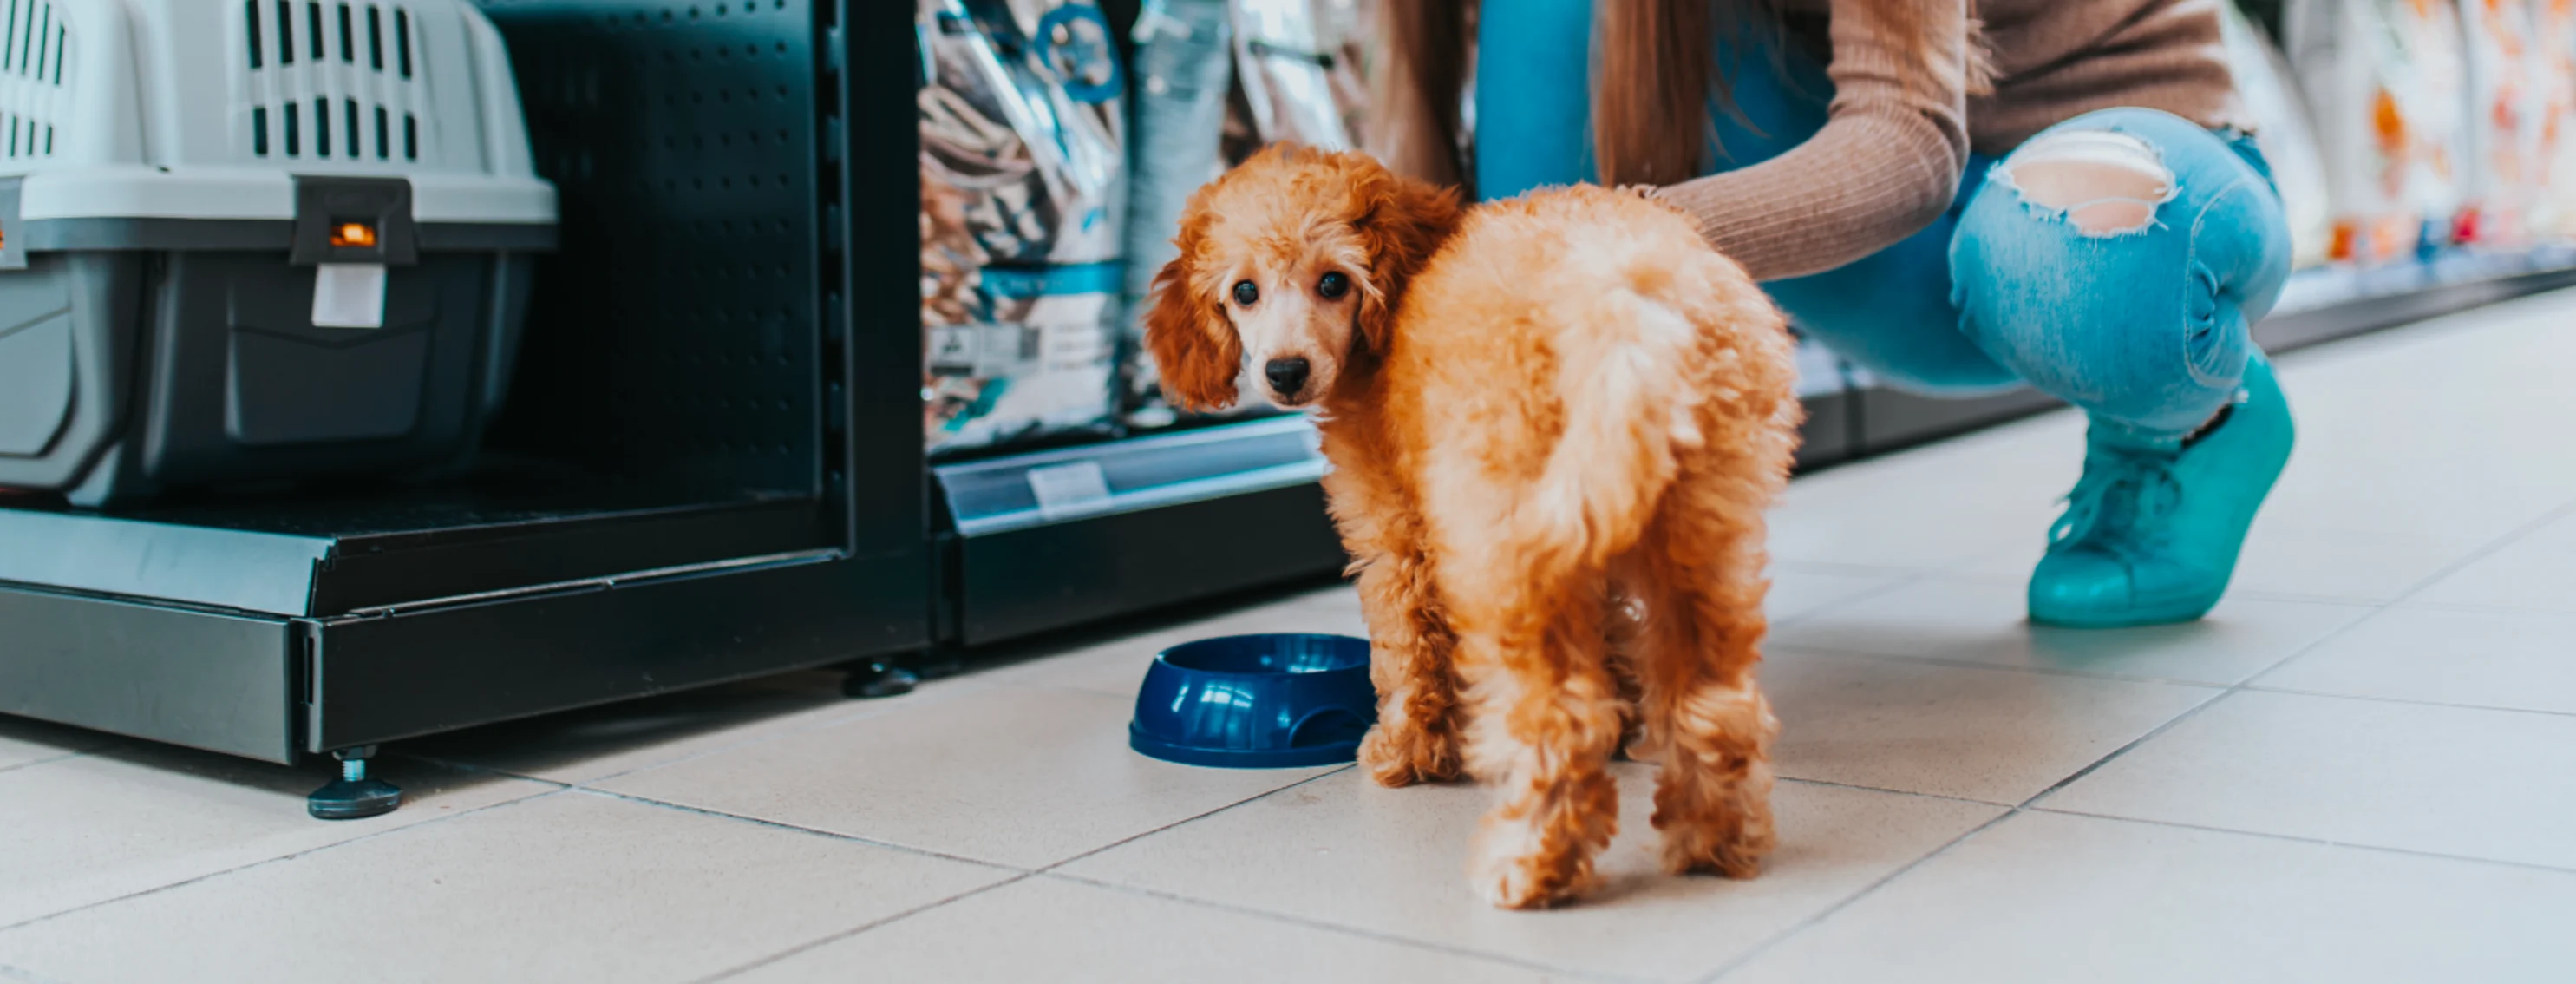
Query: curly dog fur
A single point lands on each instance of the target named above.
(1554, 424)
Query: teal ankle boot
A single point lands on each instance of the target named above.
(2151, 535)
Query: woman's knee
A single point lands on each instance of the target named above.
(2103, 182)
(2136, 328)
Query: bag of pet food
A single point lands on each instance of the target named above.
(2502, 180)
(2386, 80)
(1184, 71)
(1343, 28)
(1285, 66)
(2282, 130)
(1218, 80)
(1023, 182)
(2553, 74)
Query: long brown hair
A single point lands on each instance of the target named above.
(1417, 87)
(1655, 78)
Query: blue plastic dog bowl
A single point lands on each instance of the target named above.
(1256, 702)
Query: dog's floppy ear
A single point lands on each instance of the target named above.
(1195, 348)
(1401, 222)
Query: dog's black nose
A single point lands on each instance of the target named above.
(1287, 376)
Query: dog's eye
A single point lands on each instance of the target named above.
(1245, 293)
(1333, 286)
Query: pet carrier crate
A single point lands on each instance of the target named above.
(255, 240)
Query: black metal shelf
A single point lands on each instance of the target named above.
(709, 469)
(334, 554)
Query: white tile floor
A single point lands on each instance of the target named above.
(2361, 768)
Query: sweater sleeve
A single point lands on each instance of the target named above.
(1885, 164)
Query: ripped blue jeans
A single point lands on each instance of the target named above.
(2143, 324)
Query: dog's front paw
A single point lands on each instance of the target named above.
(1401, 755)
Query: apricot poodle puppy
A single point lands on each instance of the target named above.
(1554, 423)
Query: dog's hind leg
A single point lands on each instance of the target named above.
(1701, 573)
(1545, 720)
(1417, 737)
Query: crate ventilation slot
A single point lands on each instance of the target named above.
(334, 81)
(33, 45)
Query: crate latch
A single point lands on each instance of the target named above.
(353, 220)
(349, 230)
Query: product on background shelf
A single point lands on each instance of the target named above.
(1183, 70)
(2553, 74)
(1215, 81)
(1285, 61)
(2387, 84)
(2504, 117)
(1023, 185)
(2283, 131)
(1343, 27)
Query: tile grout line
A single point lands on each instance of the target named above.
(182, 883)
(741, 969)
(1864, 891)
(1857, 787)
(1121, 842)
(47, 760)
(2311, 841)
(2474, 608)
(448, 763)
(795, 828)
(1969, 664)
(2491, 548)
(1785, 565)
(2152, 733)
(2373, 698)
(1902, 581)
(31, 977)
(927, 852)
(1295, 920)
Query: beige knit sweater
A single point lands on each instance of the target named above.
(1890, 155)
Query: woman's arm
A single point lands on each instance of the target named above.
(1885, 164)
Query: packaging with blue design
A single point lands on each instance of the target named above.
(1217, 80)
(1023, 192)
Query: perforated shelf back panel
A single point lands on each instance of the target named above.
(677, 329)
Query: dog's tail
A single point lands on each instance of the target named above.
(1631, 412)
